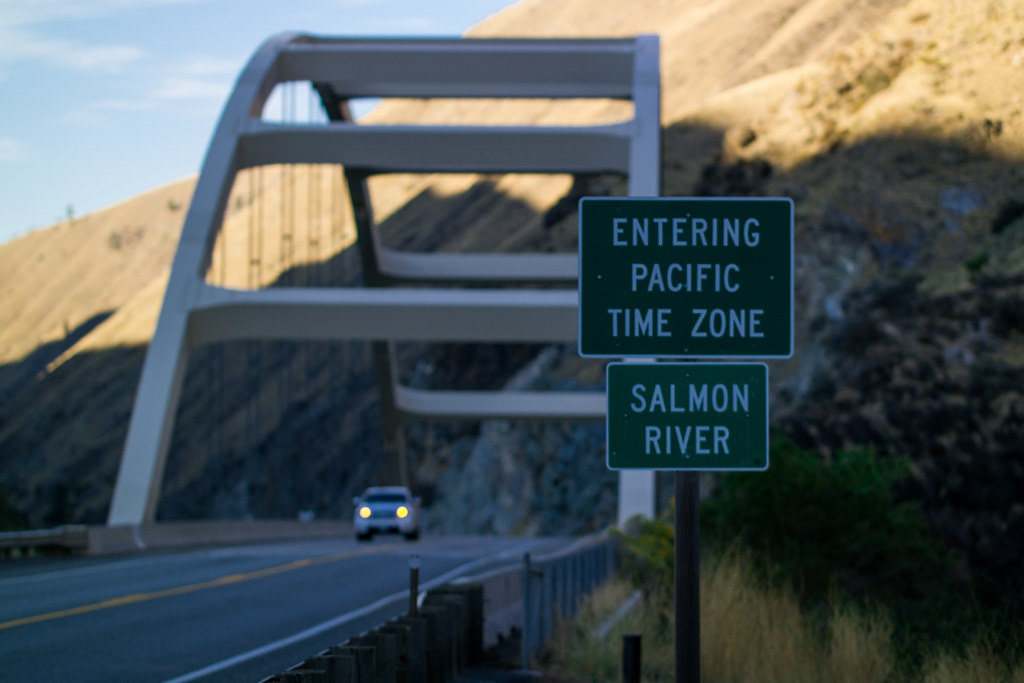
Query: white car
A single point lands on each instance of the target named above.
(388, 510)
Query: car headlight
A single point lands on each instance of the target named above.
(364, 512)
(402, 512)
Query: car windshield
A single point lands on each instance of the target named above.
(385, 498)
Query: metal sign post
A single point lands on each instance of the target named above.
(687, 576)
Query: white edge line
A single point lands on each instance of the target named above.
(324, 626)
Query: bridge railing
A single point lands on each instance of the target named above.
(531, 598)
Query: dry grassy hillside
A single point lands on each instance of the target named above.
(895, 125)
(53, 281)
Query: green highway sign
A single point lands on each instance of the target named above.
(687, 416)
(685, 277)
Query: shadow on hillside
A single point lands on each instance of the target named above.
(61, 436)
(269, 429)
(16, 376)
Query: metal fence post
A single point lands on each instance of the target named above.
(414, 584)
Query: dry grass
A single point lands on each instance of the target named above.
(980, 663)
(748, 633)
(752, 633)
(577, 651)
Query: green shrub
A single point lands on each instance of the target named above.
(825, 524)
(974, 264)
(830, 523)
(11, 518)
(835, 531)
(647, 554)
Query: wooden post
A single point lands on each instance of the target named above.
(338, 667)
(631, 658)
(364, 660)
(417, 647)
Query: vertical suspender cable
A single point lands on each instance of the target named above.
(260, 223)
(334, 275)
(253, 355)
(216, 355)
(211, 375)
(249, 267)
(292, 225)
(284, 374)
(312, 235)
(339, 358)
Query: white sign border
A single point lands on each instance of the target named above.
(695, 356)
(607, 425)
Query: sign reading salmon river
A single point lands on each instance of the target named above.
(687, 416)
(686, 277)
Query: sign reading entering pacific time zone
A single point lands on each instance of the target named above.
(687, 416)
(686, 277)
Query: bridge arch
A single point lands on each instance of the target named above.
(406, 296)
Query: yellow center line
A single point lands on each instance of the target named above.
(193, 587)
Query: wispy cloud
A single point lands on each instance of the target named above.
(102, 57)
(198, 78)
(88, 116)
(23, 44)
(25, 35)
(203, 65)
(362, 3)
(129, 106)
(192, 88)
(194, 84)
(12, 150)
(14, 13)
(415, 24)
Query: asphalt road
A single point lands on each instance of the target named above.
(231, 614)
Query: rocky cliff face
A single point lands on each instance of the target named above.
(936, 378)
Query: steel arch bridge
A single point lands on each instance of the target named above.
(406, 296)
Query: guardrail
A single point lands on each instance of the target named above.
(125, 538)
(441, 640)
(457, 622)
(62, 540)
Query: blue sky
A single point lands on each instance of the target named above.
(101, 100)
